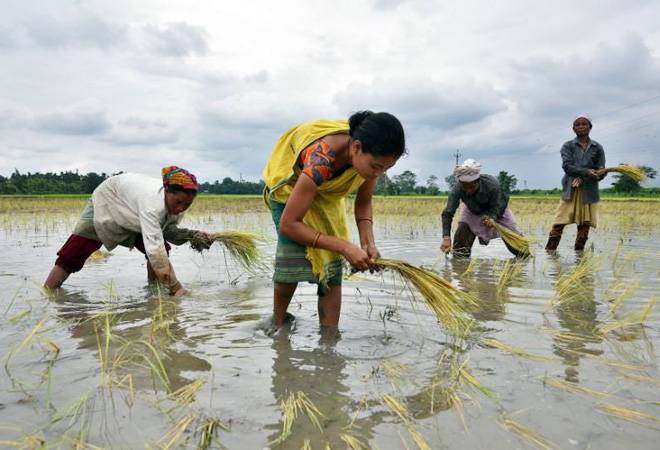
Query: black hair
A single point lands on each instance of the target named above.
(174, 188)
(381, 134)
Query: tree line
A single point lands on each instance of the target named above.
(405, 183)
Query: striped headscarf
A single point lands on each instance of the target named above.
(470, 170)
(176, 175)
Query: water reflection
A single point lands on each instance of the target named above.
(320, 373)
(577, 314)
(137, 331)
(490, 281)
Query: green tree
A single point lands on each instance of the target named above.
(384, 186)
(507, 182)
(432, 187)
(623, 183)
(405, 182)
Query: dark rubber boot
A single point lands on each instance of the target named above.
(582, 236)
(463, 240)
(555, 237)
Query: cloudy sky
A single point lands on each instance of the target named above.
(209, 85)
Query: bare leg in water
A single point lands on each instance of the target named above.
(329, 306)
(282, 294)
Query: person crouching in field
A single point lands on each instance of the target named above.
(484, 202)
(583, 161)
(133, 211)
(313, 167)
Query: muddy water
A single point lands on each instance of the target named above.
(99, 362)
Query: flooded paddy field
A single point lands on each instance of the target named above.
(560, 354)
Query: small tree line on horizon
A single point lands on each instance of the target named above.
(405, 183)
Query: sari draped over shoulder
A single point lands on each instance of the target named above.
(327, 213)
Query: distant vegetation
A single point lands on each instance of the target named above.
(405, 183)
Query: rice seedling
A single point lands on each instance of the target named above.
(517, 241)
(398, 407)
(573, 388)
(634, 318)
(618, 292)
(186, 394)
(295, 404)
(570, 285)
(469, 270)
(208, 432)
(634, 172)
(307, 445)
(394, 370)
(25, 341)
(509, 271)
(174, 435)
(631, 415)
(447, 302)
(400, 410)
(641, 378)
(529, 436)
(489, 342)
(472, 381)
(352, 442)
(241, 245)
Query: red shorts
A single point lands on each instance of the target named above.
(75, 251)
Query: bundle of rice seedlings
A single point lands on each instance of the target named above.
(241, 245)
(517, 241)
(447, 302)
(634, 172)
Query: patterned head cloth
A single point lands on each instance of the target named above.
(468, 171)
(177, 175)
(583, 116)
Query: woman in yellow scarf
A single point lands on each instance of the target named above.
(313, 167)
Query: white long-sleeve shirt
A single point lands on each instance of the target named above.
(131, 203)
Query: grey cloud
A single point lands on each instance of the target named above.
(75, 122)
(177, 39)
(9, 37)
(387, 5)
(76, 29)
(609, 77)
(424, 102)
(138, 131)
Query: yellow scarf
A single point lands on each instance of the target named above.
(328, 211)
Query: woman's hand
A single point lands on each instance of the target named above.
(577, 182)
(593, 173)
(357, 257)
(602, 172)
(374, 254)
(446, 245)
(180, 292)
(201, 240)
(488, 221)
